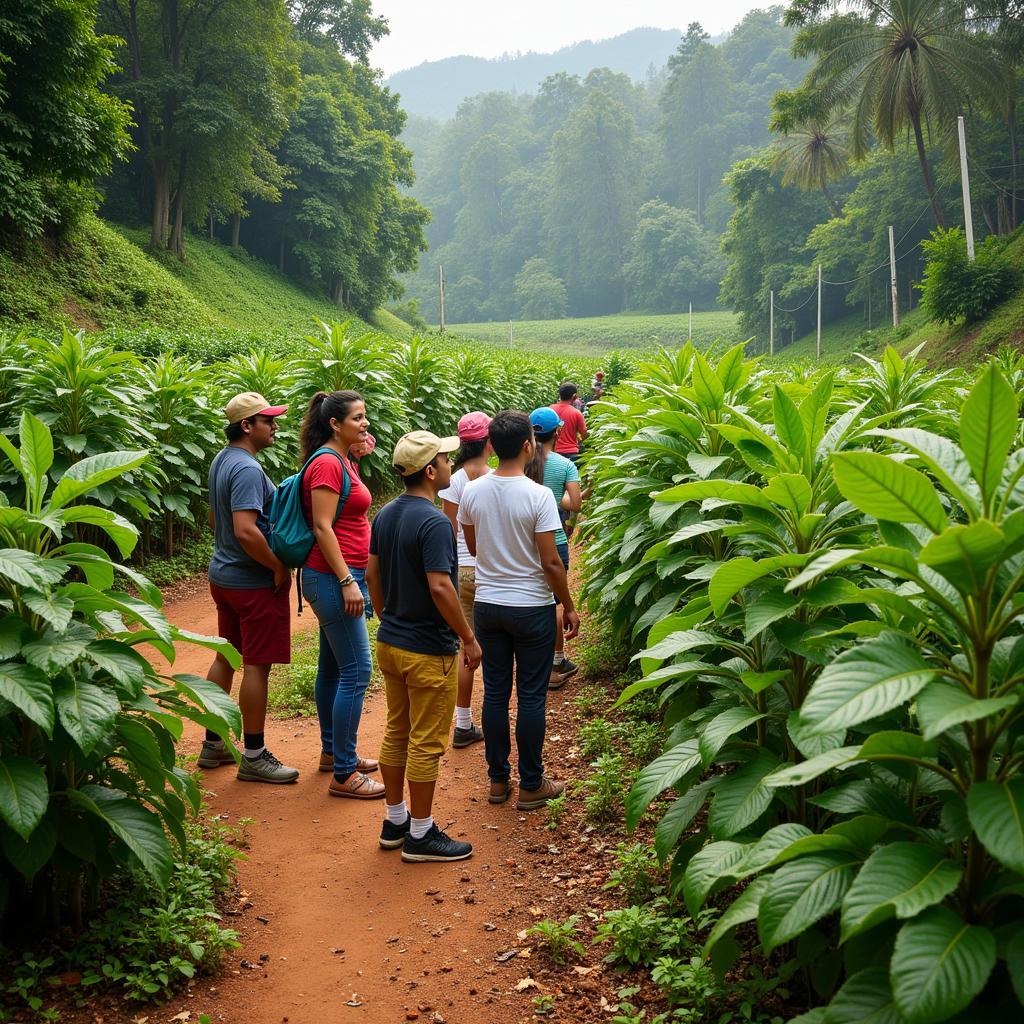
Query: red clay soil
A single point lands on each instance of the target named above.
(334, 929)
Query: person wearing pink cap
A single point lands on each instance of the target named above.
(470, 464)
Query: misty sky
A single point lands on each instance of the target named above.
(487, 28)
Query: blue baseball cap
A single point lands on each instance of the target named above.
(544, 420)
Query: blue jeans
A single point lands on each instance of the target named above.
(525, 636)
(344, 667)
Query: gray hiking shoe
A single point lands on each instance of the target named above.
(213, 755)
(266, 768)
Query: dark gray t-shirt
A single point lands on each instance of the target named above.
(237, 483)
(411, 537)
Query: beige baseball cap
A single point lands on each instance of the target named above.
(251, 403)
(418, 449)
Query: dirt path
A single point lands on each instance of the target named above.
(335, 920)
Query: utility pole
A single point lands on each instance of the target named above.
(771, 323)
(817, 347)
(892, 281)
(689, 329)
(440, 286)
(965, 184)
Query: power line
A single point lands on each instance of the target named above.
(885, 262)
(996, 184)
(782, 309)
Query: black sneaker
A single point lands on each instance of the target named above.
(435, 845)
(266, 768)
(467, 737)
(565, 667)
(392, 836)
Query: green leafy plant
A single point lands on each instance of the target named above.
(87, 725)
(603, 788)
(957, 288)
(555, 811)
(558, 937)
(595, 738)
(637, 873)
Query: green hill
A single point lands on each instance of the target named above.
(102, 277)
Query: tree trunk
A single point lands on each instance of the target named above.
(832, 204)
(337, 293)
(929, 184)
(177, 239)
(161, 204)
(209, 218)
(236, 229)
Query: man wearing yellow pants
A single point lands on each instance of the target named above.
(412, 576)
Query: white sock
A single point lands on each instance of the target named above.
(558, 658)
(397, 813)
(253, 754)
(419, 827)
(463, 718)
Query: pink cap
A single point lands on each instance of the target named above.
(473, 426)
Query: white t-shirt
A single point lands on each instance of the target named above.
(453, 493)
(506, 512)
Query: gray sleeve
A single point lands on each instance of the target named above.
(248, 490)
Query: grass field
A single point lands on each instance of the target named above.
(587, 335)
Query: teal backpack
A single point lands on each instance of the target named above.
(291, 537)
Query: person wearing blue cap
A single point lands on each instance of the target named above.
(562, 478)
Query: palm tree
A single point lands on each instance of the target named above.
(899, 66)
(812, 154)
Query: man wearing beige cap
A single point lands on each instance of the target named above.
(413, 578)
(249, 584)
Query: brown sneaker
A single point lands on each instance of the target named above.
(531, 799)
(357, 787)
(500, 792)
(363, 764)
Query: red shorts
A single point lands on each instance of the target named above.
(258, 622)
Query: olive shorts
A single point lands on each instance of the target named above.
(467, 590)
(420, 691)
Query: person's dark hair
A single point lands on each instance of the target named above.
(316, 424)
(535, 467)
(508, 431)
(469, 450)
(234, 432)
(567, 391)
(417, 478)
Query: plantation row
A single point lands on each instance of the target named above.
(97, 398)
(827, 596)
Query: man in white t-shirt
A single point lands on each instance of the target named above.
(509, 524)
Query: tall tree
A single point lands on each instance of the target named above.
(58, 131)
(899, 66)
(211, 83)
(811, 153)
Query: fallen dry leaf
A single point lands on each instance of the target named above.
(184, 1015)
(582, 970)
(524, 983)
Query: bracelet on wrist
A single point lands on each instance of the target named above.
(346, 580)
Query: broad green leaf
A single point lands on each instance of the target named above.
(707, 866)
(54, 608)
(887, 489)
(791, 491)
(31, 855)
(13, 630)
(808, 742)
(758, 681)
(996, 812)
(86, 710)
(23, 568)
(732, 576)
(801, 893)
(677, 670)
(944, 460)
(23, 794)
(706, 385)
(941, 705)
(12, 453)
(88, 600)
(210, 697)
(865, 682)
(119, 660)
(730, 491)
(716, 733)
(676, 643)
(89, 473)
(1015, 964)
(662, 772)
(678, 817)
(140, 830)
(939, 965)
(965, 554)
(53, 651)
(705, 465)
(814, 412)
(742, 796)
(116, 527)
(805, 771)
(788, 424)
(213, 643)
(766, 608)
(732, 369)
(865, 999)
(988, 425)
(743, 909)
(36, 454)
(900, 880)
(696, 529)
(864, 796)
(886, 557)
(28, 689)
(766, 850)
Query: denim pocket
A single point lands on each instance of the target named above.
(310, 587)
